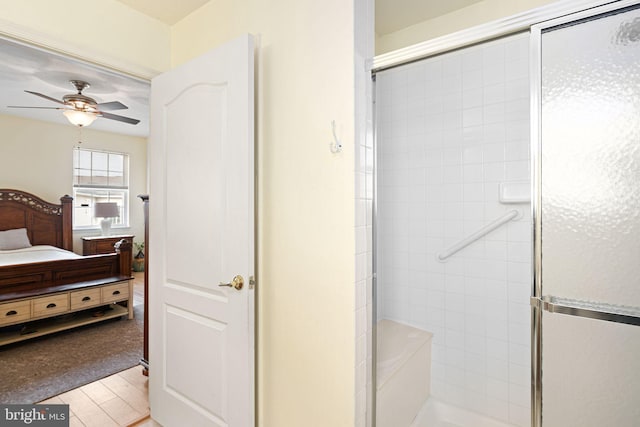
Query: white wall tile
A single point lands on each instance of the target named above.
(498, 369)
(441, 159)
(520, 354)
(497, 350)
(452, 102)
(517, 171)
(516, 151)
(475, 383)
(516, 69)
(454, 358)
(493, 113)
(451, 67)
(472, 59)
(519, 374)
(516, 89)
(455, 376)
(496, 289)
(493, 54)
(519, 394)
(472, 116)
(494, 73)
(473, 98)
(452, 173)
(497, 408)
(472, 79)
(493, 133)
(519, 415)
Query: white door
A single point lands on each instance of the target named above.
(201, 157)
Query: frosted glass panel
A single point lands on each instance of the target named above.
(590, 215)
(591, 372)
(591, 160)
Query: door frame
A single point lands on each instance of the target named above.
(36, 39)
(509, 25)
(32, 38)
(491, 30)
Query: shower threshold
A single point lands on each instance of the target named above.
(436, 413)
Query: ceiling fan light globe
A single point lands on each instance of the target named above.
(79, 118)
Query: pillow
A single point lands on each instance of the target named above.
(14, 239)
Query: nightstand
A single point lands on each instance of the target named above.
(96, 245)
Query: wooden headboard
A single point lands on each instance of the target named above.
(46, 223)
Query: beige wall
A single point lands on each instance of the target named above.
(306, 208)
(476, 14)
(36, 157)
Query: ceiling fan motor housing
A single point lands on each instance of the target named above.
(80, 101)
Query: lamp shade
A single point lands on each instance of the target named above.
(106, 210)
(79, 118)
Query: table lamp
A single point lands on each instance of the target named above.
(106, 211)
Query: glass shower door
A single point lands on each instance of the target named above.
(586, 302)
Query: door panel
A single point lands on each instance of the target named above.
(183, 263)
(202, 227)
(591, 372)
(591, 160)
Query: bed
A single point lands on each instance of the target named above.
(44, 286)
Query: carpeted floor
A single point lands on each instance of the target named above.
(37, 369)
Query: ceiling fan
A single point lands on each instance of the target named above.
(81, 110)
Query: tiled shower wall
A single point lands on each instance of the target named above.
(450, 129)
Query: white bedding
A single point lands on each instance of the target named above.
(35, 254)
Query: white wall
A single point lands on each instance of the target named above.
(37, 157)
(476, 14)
(450, 129)
(306, 297)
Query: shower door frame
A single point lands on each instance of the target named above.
(539, 303)
(526, 21)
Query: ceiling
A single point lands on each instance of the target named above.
(393, 15)
(167, 11)
(26, 68)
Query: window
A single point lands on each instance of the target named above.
(99, 176)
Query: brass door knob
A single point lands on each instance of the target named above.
(237, 282)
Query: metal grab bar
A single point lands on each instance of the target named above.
(442, 256)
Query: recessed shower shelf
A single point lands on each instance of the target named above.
(515, 192)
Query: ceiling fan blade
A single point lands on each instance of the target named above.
(43, 108)
(114, 105)
(45, 97)
(119, 118)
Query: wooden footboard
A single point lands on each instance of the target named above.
(42, 277)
